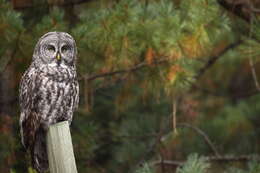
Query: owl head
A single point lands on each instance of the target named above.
(55, 49)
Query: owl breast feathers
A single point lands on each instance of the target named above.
(49, 93)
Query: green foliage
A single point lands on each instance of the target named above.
(11, 22)
(132, 33)
(253, 167)
(52, 22)
(11, 26)
(235, 122)
(144, 169)
(31, 170)
(194, 164)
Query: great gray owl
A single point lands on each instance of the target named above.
(49, 92)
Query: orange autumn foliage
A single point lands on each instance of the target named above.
(149, 56)
(191, 47)
(173, 72)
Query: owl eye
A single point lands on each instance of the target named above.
(51, 48)
(65, 48)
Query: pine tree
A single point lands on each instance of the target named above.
(141, 63)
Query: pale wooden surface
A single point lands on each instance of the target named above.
(60, 149)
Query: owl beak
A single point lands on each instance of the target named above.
(58, 56)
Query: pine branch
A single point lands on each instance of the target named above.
(151, 149)
(253, 71)
(244, 9)
(134, 137)
(112, 73)
(227, 158)
(254, 74)
(168, 162)
(131, 69)
(203, 134)
(241, 8)
(230, 158)
(212, 60)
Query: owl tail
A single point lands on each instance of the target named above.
(39, 153)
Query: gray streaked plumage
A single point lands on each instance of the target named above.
(49, 93)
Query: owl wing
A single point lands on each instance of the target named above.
(29, 120)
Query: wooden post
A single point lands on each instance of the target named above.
(60, 150)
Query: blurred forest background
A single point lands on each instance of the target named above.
(165, 85)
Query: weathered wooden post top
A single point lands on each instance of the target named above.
(60, 149)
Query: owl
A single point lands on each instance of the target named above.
(48, 93)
